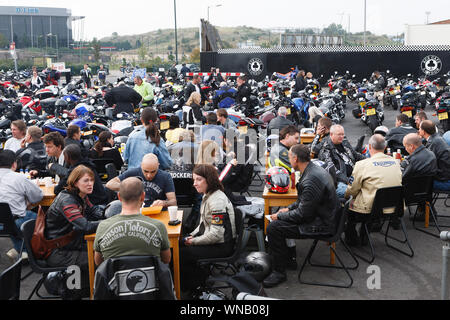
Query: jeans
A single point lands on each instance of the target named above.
(341, 189)
(17, 242)
(442, 185)
(112, 209)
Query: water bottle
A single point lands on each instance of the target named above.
(27, 174)
(122, 148)
(21, 171)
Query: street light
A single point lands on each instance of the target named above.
(56, 38)
(216, 6)
(176, 37)
(428, 15)
(365, 20)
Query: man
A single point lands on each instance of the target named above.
(18, 131)
(74, 137)
(184, 69)
(54, 145)
(279, 153)
(32, 156)
(243, 90)
(420, 162)
(300, 82)
(419, 117)
(322, 132)
(173, 72)
(225, 97)
(279, 122)
(194, 86)
(441, 150)
(222, 117)
(212, 131)
(74, 158)
(149, 237)
(395, 136)
(379, 171)
(101, 74)
(86, 76)
(158, 185)
(337, 150)
(380, 84)
(313, 213)
(19, 192)
(124, 98)
(145, 89)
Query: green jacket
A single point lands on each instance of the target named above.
(145, 90)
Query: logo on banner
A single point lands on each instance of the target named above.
(255, 66)
(431, 65)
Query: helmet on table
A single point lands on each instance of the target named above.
(278, 180)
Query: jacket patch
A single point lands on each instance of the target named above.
(384, 164)
(217, 219)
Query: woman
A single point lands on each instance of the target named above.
(103, 149)
(72, 211)
(215, 235)
(36, 81)
(147, 140)
(174, 132)
(192, 112)
(209, 153)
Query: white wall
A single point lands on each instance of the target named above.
(432, 34)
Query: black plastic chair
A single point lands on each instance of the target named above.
(111, 171)
(419, 192)
(437, 196)
(230, 261)
(100, 167)
(10, 281)
(341, 218)
(8, 227)
(385, 198)
(38, 266)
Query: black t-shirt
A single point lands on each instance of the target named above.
(155, 189)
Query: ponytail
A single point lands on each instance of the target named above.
(149, 118)
(102, 142)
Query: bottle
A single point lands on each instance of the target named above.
(27, 174)
(122, 148)
(293, 180)
(21, 171)
(389, 152)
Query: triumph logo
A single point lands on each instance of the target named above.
(431, 65)
(255, 66)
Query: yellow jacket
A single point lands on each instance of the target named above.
(379, 171)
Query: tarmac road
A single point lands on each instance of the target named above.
(401, 277)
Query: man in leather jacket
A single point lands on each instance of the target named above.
(441, 150)
(395, 136)
(312, 214)
(420, 162)
(33, 156)
(124, 98)
(279, 122)
(194, 85)
(244, 90)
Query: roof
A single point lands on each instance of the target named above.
(442, 22)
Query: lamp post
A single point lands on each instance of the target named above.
(216, 6)
(428, 15)
(56, 38)
(365, 21)
(176, 37)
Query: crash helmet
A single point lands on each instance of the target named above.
(278, 180)
(383, 130)
(258, 265)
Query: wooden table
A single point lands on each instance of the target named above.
(307, 138)
(49, 196)
(174, 237)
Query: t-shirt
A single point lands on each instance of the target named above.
(155, 189)
(133, 235)
(13, 144)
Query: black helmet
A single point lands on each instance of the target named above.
(278, 180)
(258, 264)
(61, 103)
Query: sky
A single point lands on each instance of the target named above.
(140, 16)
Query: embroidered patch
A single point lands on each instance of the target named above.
(217, 220)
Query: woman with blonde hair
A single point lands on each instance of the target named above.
(192, 111)
(208, 153)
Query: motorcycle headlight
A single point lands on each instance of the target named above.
(92, 101)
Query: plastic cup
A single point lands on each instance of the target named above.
(173, 210)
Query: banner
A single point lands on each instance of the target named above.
(139, 72)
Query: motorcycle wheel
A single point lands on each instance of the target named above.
(372, 122)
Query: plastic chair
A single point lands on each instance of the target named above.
(419, 192)
(385, 198)
(230, 260)
(100, 167)
(341, 218)
(8, 227)
(10, 281)
(38, 266)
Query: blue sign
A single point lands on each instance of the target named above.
(27, 10)
(139, 72)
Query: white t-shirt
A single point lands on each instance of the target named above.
(13, 144)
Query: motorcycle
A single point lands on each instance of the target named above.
(443, 110)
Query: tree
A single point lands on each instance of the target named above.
(96, 46)
(3, 41)
(195, 56)
(142, 52)
(115, 34)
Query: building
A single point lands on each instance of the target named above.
(437, 33)
(37, 27)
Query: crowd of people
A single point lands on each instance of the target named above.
(332, 171)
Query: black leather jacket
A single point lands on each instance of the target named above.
(395, 136)
(33, 157)
(69, 212)
(317, 203)
(278, 123)
(442, 152)
(125, 99)
(244, 91)
(421, 163)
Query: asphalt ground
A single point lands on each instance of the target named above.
(400, 277)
